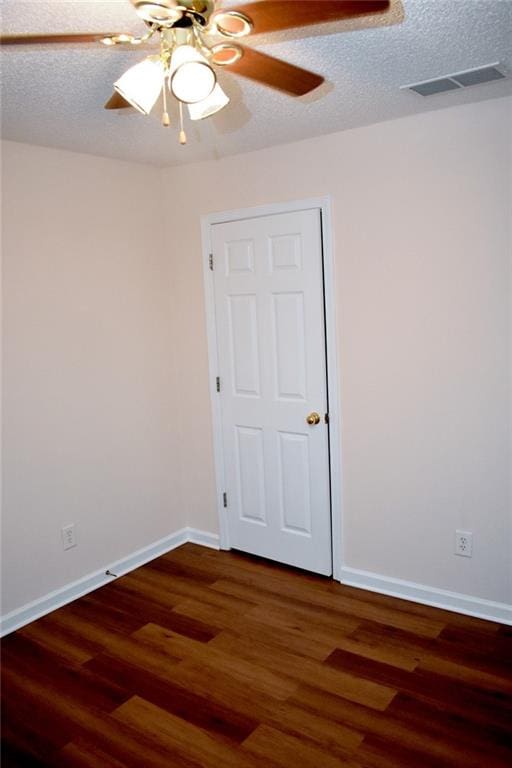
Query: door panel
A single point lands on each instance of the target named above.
(271, 350)
(242, 315)
(290, 358)
(295, 495)
(251, 474)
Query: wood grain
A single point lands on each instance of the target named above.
(203, 659)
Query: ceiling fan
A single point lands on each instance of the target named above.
(196, 37)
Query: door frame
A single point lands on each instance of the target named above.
(333, 394)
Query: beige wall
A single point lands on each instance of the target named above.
(88, 367)
(106, 404)
(422, 254)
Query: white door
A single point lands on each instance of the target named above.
(271, 354)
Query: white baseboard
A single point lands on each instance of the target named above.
(203, 538)
(418, 593)
(53, 600)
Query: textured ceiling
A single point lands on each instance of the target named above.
(53, 95)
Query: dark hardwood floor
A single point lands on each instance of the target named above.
(213, 659)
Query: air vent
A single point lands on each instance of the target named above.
(487, 74)
(478, 76)
(434, 86)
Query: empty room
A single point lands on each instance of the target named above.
(256, 390)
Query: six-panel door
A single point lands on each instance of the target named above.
(271, 349)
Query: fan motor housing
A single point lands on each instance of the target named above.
(166, 13)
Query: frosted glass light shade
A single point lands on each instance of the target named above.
(141, 85)
(192, 78)
(209, 106)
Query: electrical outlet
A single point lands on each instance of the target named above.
(464, 543)
(68, 536)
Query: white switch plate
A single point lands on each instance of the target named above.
(68, 536)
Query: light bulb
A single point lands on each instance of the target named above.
(141, 85)
(209, 106)
(192, 78)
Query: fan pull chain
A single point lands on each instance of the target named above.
(183, 135)
(166, 120)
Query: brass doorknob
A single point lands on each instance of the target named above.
(313, 418)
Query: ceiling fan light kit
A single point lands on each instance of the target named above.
(190, 76)
(216, 101)
(188, 31)
(184, 65)
(141, 85)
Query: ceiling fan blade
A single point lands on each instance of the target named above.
(275, 15)
(116, 101)
(275, 73)
(86, 37)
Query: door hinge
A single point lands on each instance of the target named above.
(217, 383)
(225, 499)
(210, 261)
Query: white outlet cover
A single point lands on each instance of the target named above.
(68, 536)
(464, 543)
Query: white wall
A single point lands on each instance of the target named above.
(423, 281)
(88, 433)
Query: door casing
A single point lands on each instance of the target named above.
(324, 205)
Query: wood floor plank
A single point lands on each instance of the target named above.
(161, 586)
(319, 625)
(210, 681)
(53, 720)
(381, 753)
(316, 730)
(67, 645)
(485, 738)
(478, 705)
(204, 658)
(476, 650)
(293, 583)
(395, 657)
(419, 737)
(143, 749)
(127, 744)
(181, 738)
(151, 611)
(126, 648)
(394, 639)
(107, 616)
(28, 726)
(271, 745)
(279, 582)
(273, 602)
(477, 678)
(253, 624)
(305, 670)
(469, 623)
(330, 601)
(62, 679)
(177, 699)
(173, 567)
(260, 678)
(85, 755)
